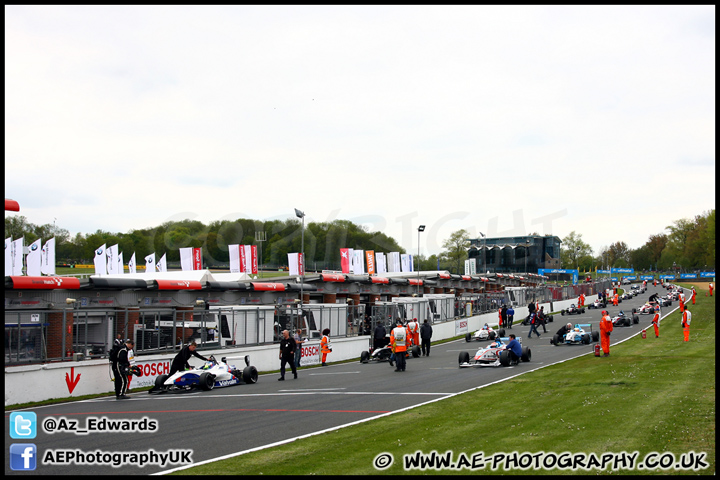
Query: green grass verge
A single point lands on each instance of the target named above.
(650, 395)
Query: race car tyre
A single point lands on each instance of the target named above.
(364, 356)
(586, 339)
(636, 319)
(250, 374)
(492, 335)
(549, 318)
(526, 354)
(505, 358)
(159, 381)
(501, 332)
(468, 337)
(582, 311)
(556, 339)
(595, 336)
(416, 351)
(207, 381)
(464, 357)
(562, 312)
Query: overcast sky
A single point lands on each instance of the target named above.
(505, 120)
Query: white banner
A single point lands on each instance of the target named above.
(121, 264)
(358, 266)
(186, 258)
(380, 262)
(132, 267)
(17, 253)
(234, 251)
(404, 262)
(8, 256)
(100, 261)
(150, 263)
(112, 260)
(294, 268)
(162, 264)
(47, 267)
(34, 259)
(248, 258)
(394, 262)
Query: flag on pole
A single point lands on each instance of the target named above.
(100, 261)
(34, 259)
(121, 264)
(404, 265)
(162, 264)
(370, 259)
(380, 262)
(48, 257)
(197, 258)
(254, 259)
(150, 263)
(18, 246)
(186, 259)
(8, 256)
(112, 258)
(234, 252)
(358, 262)
(132, 267)
(345, 259)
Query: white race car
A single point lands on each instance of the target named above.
(494, 355)
(212, 374)
(485, 333)
(577, 335)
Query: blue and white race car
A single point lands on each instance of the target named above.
(212, 374)
(494, 355)
(577, 335)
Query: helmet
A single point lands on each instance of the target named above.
(577, 329)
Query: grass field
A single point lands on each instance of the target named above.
(651, 396)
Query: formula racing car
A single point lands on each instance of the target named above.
(647, 309)
(212, 374)
(597, 304)
(621, 320)
(577, 335)
(494, 355)
(485, 333)
(382, 354)
(572, 309)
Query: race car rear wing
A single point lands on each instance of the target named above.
(580, 325)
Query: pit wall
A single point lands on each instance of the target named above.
(34, 383)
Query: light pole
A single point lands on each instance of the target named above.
(421, 228)
(577, 262)
(300, 214)
(483, 235)
(527, 245)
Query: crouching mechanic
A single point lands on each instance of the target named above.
(180, 362)
(563, 331)
(514, 349)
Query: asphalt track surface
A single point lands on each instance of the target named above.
(235, 419)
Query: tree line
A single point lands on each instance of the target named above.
(688, 245)
(322, 241)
